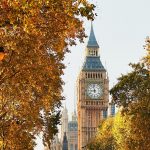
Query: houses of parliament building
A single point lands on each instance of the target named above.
(92, 93)
(92, 101)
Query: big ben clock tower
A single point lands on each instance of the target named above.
(92, 93)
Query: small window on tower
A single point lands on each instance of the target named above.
(93, 75)
(104, 114)
(96, 53)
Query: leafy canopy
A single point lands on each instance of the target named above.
(35, 35)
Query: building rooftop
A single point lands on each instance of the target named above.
(92, 40)
(93, 63)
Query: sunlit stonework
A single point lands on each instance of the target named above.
(92, 92)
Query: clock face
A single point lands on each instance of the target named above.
(94, 90)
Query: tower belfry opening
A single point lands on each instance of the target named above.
(92, 45)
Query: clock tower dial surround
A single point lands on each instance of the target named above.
(94, 90)
(92, 93)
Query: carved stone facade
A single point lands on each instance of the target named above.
(92, 93)
(65, 142)
(70, 128)
(64, 123)
(73, 133)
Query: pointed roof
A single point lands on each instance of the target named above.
(74, 116)
(65, 142)
(92, 40)
(65, 138)
(65, 110)
(93, 64)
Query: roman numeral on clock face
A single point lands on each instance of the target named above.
(94, 90)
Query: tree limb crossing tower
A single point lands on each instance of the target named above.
(92, 93)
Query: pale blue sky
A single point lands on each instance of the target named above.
(120, 28)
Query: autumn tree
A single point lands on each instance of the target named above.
(147, 57)
(104, 139)
(132, 95)
(35, 36)
(131, 130)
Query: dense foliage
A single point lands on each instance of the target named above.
(147, 57)
(35, 36)
(104, 139)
